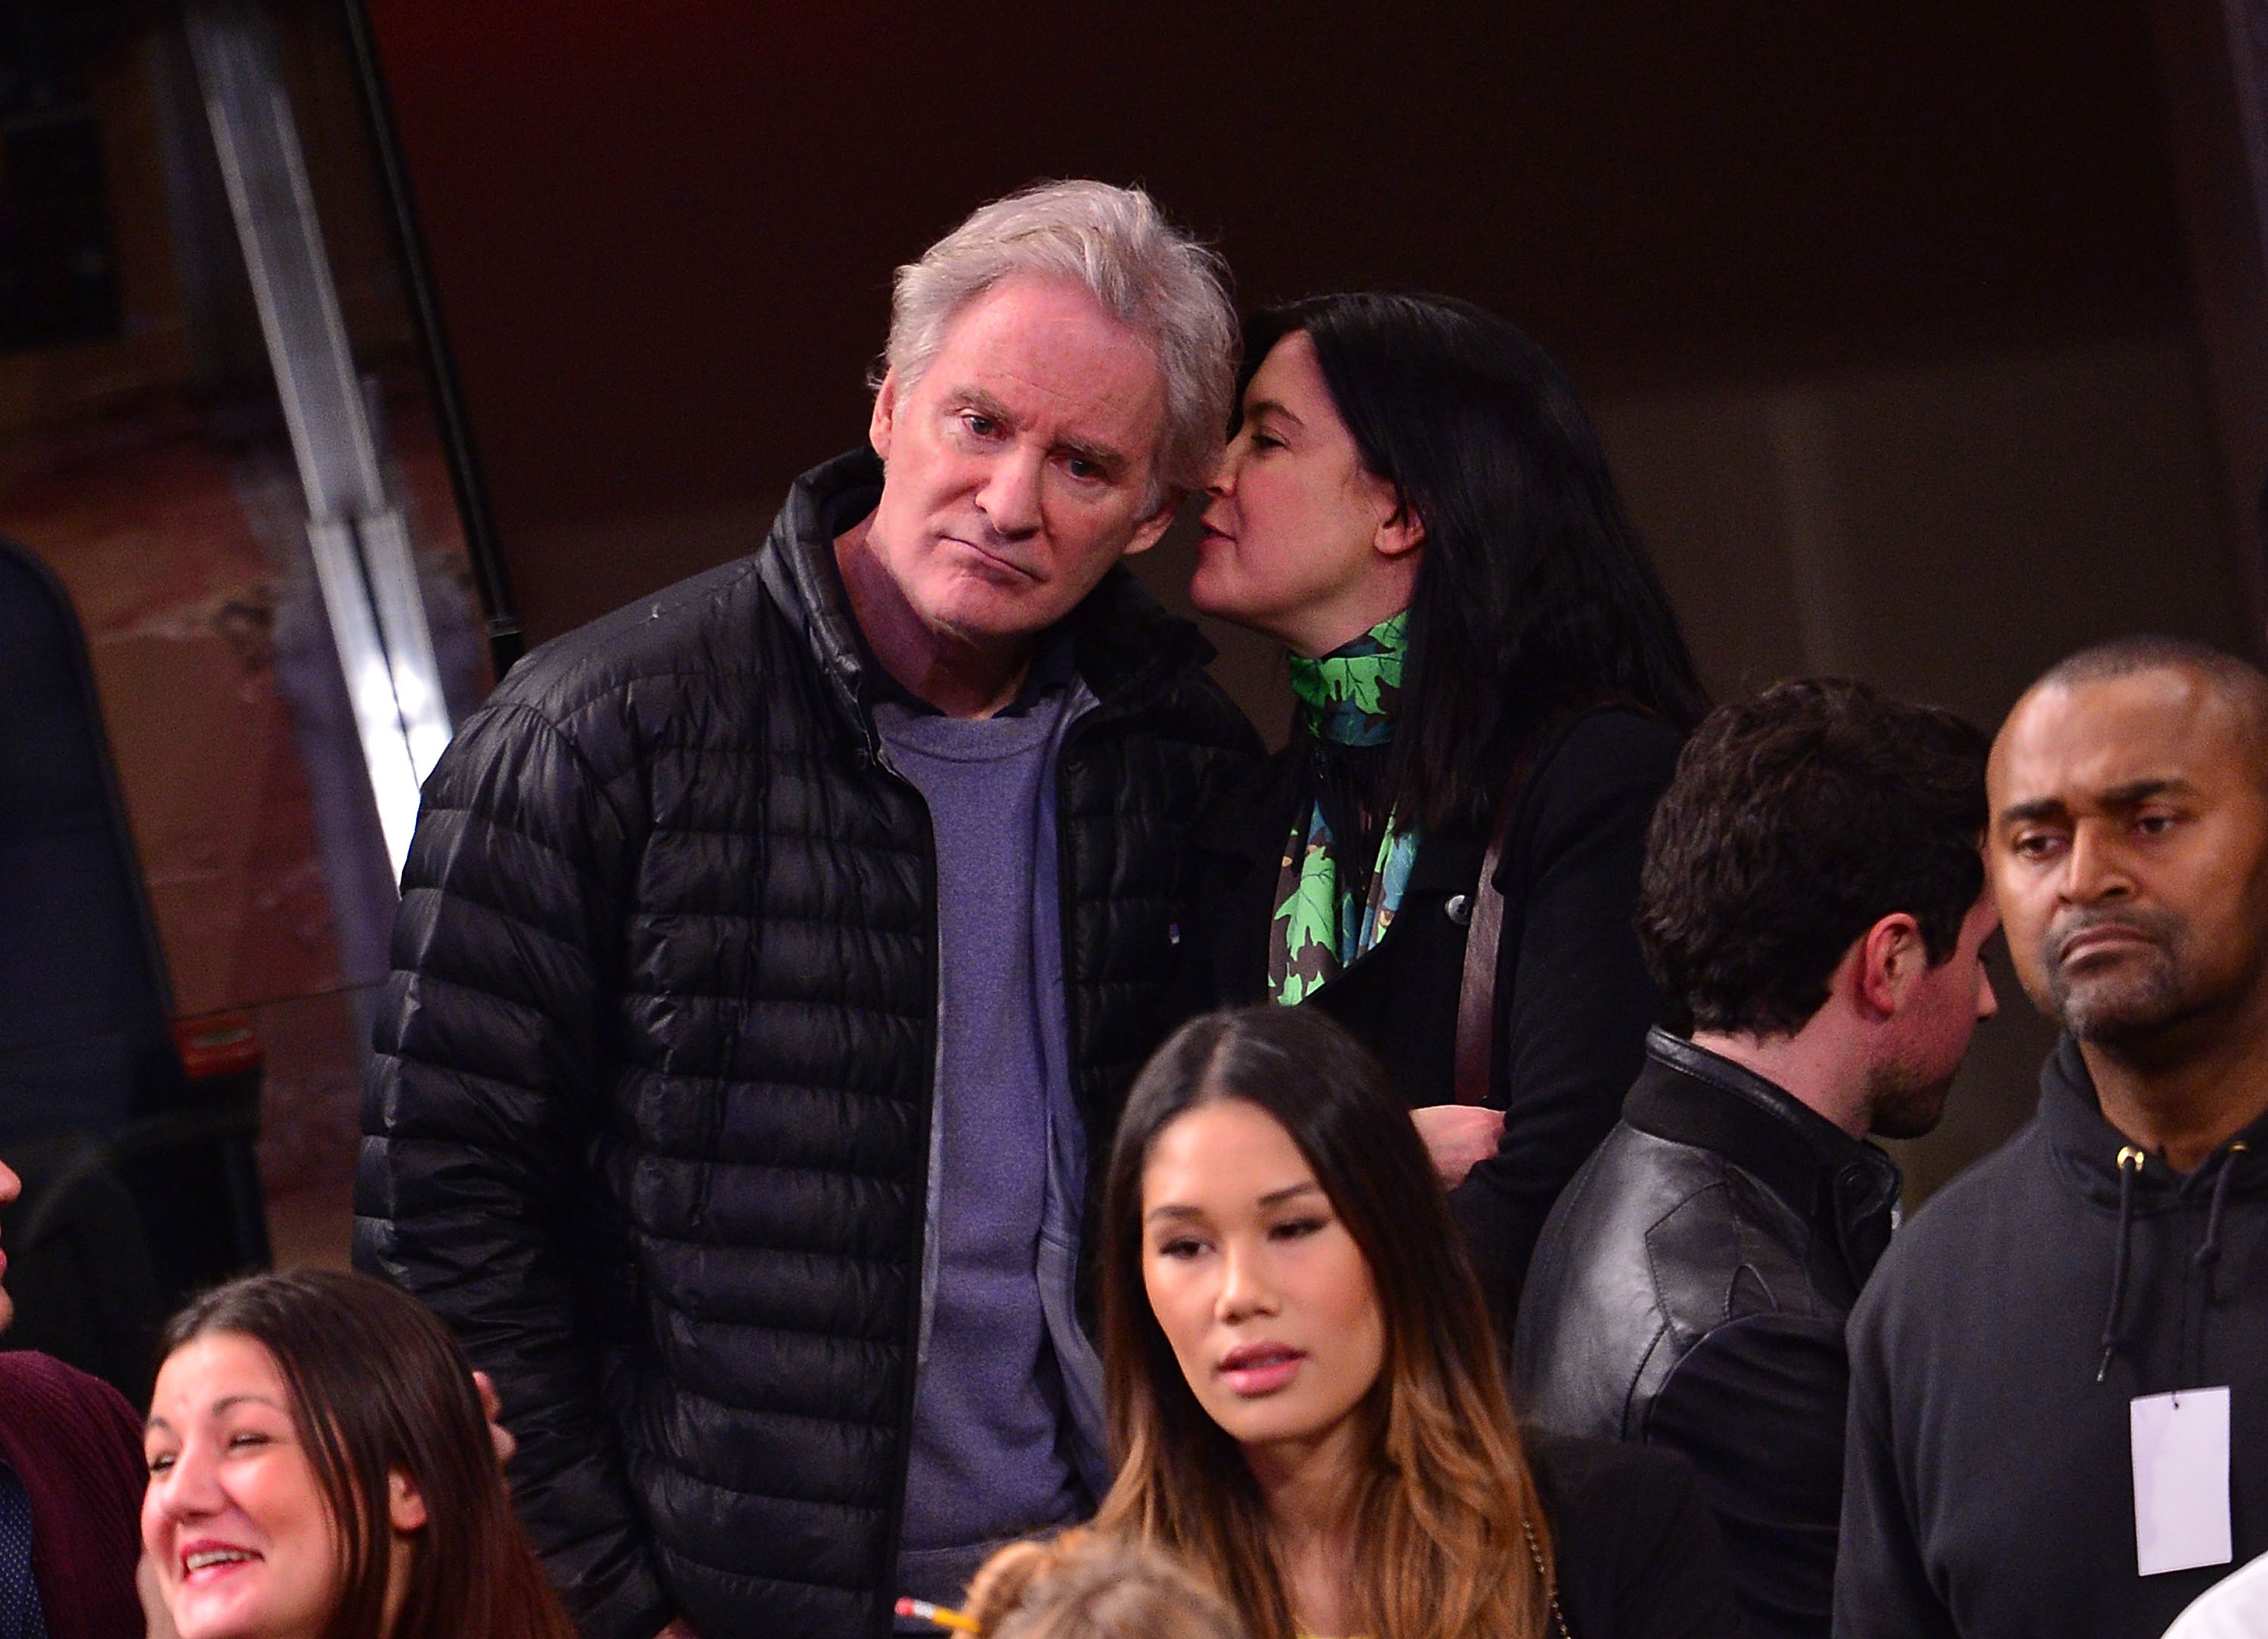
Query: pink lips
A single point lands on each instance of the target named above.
(1257, 1369)
(203, 1575)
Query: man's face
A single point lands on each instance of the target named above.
(1019, 465)
(1941, 1013)
(2130, 853)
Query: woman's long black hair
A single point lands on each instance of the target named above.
(1535, 593)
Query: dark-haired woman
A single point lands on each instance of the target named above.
(320, 1467)
(1303, 1394)
(1491, 692)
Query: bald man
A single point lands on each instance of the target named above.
(2060, 1393)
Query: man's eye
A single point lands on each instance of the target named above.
(2155, 824)
(1085, 470)
(983, 426)
(2033, 845)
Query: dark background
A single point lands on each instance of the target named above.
(1928, 340)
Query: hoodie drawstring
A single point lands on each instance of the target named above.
(2130, 1166)
(2208, 1251)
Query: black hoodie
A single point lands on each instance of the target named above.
(1988, 1491)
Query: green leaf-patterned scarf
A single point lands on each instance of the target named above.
(1349, 697)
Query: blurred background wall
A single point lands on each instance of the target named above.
(1926, 340)
(1929, 342)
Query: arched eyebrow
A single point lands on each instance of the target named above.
(226, 1402)
(2134, 793)
(1174, 1211)
(1270, 406)
(2118, 798)
(2038, 808)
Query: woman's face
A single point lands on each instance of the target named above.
(1300, 541)
(1260, 1289)
(234, 1520)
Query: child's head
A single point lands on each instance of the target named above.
(1084, 1586)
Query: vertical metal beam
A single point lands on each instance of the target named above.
(357, 536)
(490, 576)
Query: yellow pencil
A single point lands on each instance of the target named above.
(922, 1610)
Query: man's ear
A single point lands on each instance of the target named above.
(884, 419)
(1892, 955)
(405, 1505)
(1151, 530)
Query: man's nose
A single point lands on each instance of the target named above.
(1010, 498)
(2094, 868)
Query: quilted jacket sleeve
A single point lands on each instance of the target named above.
(472, 1190)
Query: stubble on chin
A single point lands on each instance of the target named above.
(1907, 1104)
(2134, 999)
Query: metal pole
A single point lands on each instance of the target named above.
(357, 535)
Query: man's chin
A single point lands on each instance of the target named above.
(2118, 1015)
(1910, 1112)
(986, 615)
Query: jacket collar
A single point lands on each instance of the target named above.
(1846, 1188)
(1121, 638)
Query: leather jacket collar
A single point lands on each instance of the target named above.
(1846, 1188)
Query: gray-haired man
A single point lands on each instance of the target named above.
(774, 954)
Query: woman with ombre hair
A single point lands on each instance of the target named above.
(1303, 1392)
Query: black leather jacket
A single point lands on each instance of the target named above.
(1691, 1291)
(649, 1118)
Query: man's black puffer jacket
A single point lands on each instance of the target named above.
(649, 1120)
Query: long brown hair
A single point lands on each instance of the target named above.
(378, 1386)
(1444, 1503)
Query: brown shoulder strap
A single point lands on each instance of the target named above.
(1476, 1058)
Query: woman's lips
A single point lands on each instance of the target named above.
(1261, 1368)
(204, 1564)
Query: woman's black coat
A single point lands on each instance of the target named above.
(1636, 1553)
(1572, 997)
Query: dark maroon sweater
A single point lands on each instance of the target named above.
(77, 1446)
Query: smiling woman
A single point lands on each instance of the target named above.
(286, 1408)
